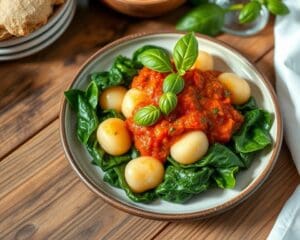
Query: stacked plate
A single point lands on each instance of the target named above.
(24, 46)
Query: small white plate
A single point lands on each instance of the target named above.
(52, 21)
(207, 203)
(46, 39)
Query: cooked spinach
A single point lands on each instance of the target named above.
(87, 120)
(72, 97)
(109, 113)
(181, 184)
(104, 160)
(249, 105)
(254, 134)
(225, 177)
(92, 94)
(112, 178)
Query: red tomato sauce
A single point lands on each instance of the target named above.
(204, 104)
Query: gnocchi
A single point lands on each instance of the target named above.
(190, 147)
(144, 173)
(204, 61)
(132, 98)
(239, 88)
(112, 98)
(113, 136)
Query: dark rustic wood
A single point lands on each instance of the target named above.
(40, 195)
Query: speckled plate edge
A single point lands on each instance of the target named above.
(184, 216)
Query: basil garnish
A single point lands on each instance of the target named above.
(173, 83)
(250, 12)
(185, 52)
(167, 102)
(147, 116)
(157, 60)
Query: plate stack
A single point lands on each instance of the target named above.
(20, 47)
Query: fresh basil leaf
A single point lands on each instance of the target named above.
(185, 52)
(72, 97)
(92, 94)
(225, 177)
(87, 121)
(147, 116)
(157, 60)
(250, 12)
(180, 184)
(145, 197)
(136, 57)
(207, 19)
(167, 102)
(173, 83)
(277, 7)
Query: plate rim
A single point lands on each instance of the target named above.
(177, 216)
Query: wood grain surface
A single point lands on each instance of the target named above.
(40, 195)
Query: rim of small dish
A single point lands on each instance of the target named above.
(243, 195)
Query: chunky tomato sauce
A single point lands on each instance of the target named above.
(204, 104)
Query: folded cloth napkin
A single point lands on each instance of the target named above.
(287, 67)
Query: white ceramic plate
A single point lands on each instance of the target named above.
(207, 203)
(52, 21)
(44, 40)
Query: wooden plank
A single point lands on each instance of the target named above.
(30, 96)
(252, 219)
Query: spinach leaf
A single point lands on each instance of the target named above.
(225, 177)
(218, 156)
(92, 94)
(72, 97)
(112, 178)
(180, 184)
(157, 60)
(87, 121)
(207, 19)
(148, 196)
(101, 79)
(254, 133)
(136, 57)
(248, 106)
(122, 71)
(185, 52)
(104, 160)
(109, 113)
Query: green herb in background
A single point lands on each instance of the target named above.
(208, 18)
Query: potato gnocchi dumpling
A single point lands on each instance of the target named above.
(190, 147)
(144, 173)
(204, 62)
(112, 98)
(113, 136)
(239, 88)
(132, 98)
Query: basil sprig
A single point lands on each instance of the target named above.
(173, 83)
(184, 54)
(167, 102)
(147, 116)
(157, 60)
(250, 12)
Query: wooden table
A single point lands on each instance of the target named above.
(40, 195)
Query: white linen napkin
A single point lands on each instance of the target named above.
(287, 68)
